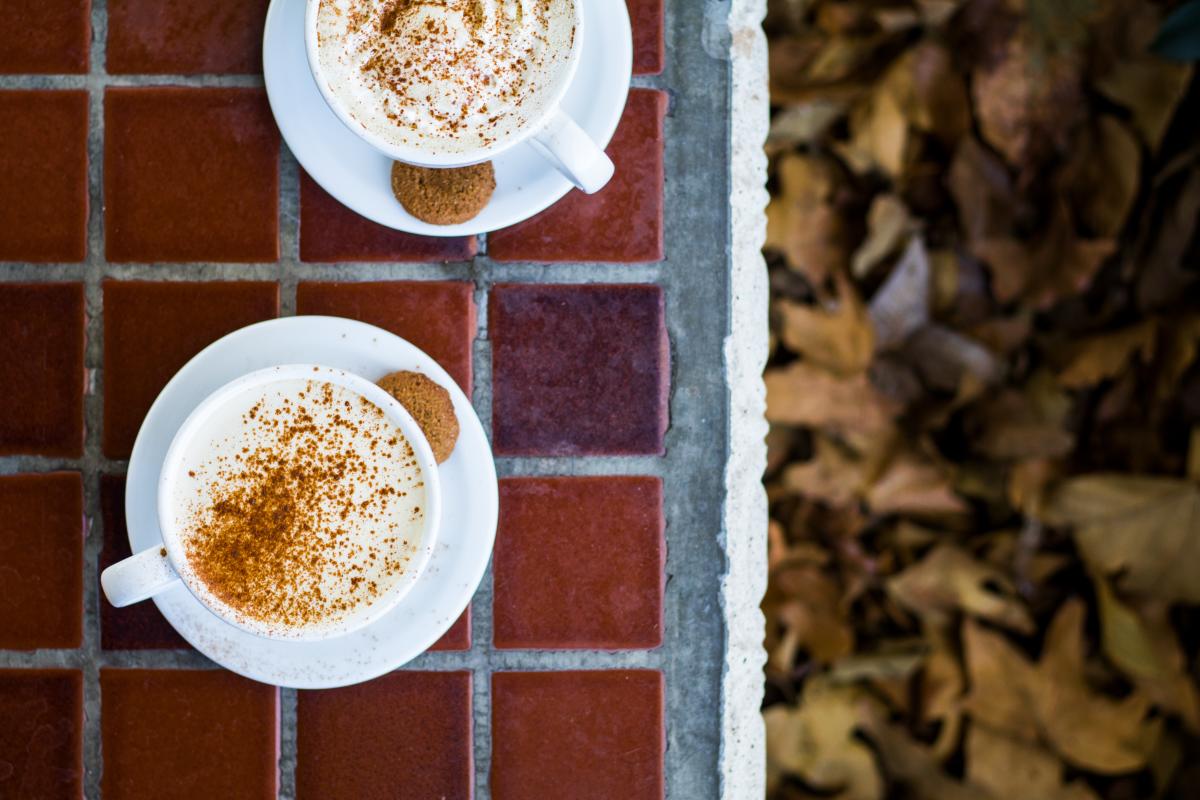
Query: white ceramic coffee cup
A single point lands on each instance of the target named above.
(158, 569)
(552, 133)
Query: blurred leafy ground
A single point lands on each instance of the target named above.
(984, 457)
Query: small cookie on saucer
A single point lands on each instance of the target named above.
(443, 196)
(430, 405)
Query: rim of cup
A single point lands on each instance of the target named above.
(412, 155)
(395, 412)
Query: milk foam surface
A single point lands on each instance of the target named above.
(444, 76)
(358, 516)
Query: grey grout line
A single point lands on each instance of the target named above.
(480, 656)
(342, 271)
(102, 80)
(289, 255)
(287, 743)
(93, 756)
(538, 467)
(481, 730)
(481, 603)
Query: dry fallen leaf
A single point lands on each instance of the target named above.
(1028, 101)
(983, 192)
(1060, 263)
(911, 483)
(1026, 424)
(840, 339)
(807, 604)
(1180, 346)
(802, 222)
(879, 134)
(804, 394)
(1103, 176)
(930, 91)
(1151, 88)
(815, 740)
(914, 766)
(1141, 643)
(1001, 679)
(1087, 729)
(833, 475)
(1143, 530)
(888, 226)
(901, 306)
(1107, 355)
(1008, 767)
(948, 579)
(1052, 702)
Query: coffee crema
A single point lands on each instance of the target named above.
(301, 504)
(444, 76)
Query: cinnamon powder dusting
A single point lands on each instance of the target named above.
(451, 74)
(307, 511)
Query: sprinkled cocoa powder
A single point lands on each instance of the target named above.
(444, 74)
(307, 512)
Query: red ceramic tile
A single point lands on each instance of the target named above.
(184, 37)
(187, 734)
(646, 16)
(599, 733)
(190, 175)
(140, 626)
(578, 370)
(622, 222)
(579, 563)
(43, 175)
(41, 368)
(459, 635)
(46, 36)
(407, 734)
(152, 329)
(41, 561)
(41, 734)
(331, 232)
(436, 316)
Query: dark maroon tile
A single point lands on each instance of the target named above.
(436, 316)
(406, 734)
(41, 561)
(331, 232)
(140, 626)
(459, 635)
(152, 329)
(579, 563)
(578, 370)
(646, 17)
(599, 733)
(187, 734)
(45, 36)
(183, 37)
(42, 328)
(190, 175)
(43, 174)
(41, 734)
(623, 222)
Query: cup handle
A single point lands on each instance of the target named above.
(138, 577)
(564, 144)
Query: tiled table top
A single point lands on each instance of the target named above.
(148, 207)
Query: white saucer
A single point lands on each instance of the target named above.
(469, 496)
(360, 177)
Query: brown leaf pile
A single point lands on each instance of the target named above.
(984, 396)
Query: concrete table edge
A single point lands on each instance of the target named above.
(744, 516)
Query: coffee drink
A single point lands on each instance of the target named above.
(444, 76)
(299, 503)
